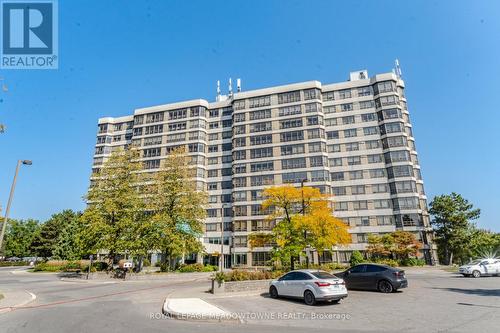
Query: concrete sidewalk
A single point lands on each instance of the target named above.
(196, 309)
(15, 298)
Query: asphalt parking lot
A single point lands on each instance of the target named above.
(435, 300)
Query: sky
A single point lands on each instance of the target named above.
(115, 56)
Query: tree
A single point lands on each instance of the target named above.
(398, 245)
(304, 218)
(405, 244)
(177, 207)
(19, 236)
(482, 243)
(69, 244)
(115, 206)
(48, 236)
(380, 246)
(452, 215)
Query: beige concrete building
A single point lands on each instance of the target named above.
(352, 139)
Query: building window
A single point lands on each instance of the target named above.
(353, 146)
(177, 126)
(294, 177)
(261, 139)
(292, 136)
(312, 94)
(350, 133)
(262, 180)
(154, 117)
(289, 110)
(293, 163)
(260, 101)
(261, 258)
(289, 97)
(328, 96)
(261, 127)
(358, 174)
(261, 152)
(177, 114)
(348, 120)
(260, 167)
(290, 123)
(364, 91)
(261, 114)
(292, 149)
(345, 93)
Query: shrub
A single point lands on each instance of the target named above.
(242, 275)
(219, 277)
(356, 258)
(388, 262)
(412, 262)
(324, 267)
(146, 262)
(13, 263)
(209, 268)
(100, 265)
(191, 268)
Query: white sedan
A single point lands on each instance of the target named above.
(310, 285)
(481, 267)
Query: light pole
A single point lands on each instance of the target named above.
(11, 195)
(304, 213)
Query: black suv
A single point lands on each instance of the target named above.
(383, 278)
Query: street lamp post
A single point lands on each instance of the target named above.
(11, 195)
(304, 213)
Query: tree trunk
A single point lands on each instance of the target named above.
(451, 259)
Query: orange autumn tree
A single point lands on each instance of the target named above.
(304, 218)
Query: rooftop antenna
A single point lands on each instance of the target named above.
(238, 85)
(218, 91)
(399, 74)
(230, 87)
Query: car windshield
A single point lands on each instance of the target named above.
(474, 262)
(323, 275)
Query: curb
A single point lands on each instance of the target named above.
(14, 307)
(167, 311)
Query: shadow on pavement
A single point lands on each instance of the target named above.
(480, 305)
(479, 292)
(296, 300)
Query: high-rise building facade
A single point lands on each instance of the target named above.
(351, 139)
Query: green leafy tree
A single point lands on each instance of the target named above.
(356, 258)
(452, 216)
(115, 206)
(69, 245)
(178, 209)
(482, 243)
(19, 236)
(50, 232)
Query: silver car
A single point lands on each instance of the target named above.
(310, 285)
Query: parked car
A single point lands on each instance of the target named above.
(383, 278)
(481, 267)
(310, 285)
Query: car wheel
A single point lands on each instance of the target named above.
(273, 292)
(385, 286)
(309, 298)
(476, 274)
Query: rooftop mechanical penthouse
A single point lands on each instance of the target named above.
(351, 139)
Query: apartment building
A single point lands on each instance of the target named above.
(351, 139)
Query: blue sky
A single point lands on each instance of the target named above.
(116, 56)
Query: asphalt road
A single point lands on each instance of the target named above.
(433, 302)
